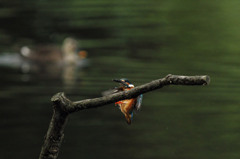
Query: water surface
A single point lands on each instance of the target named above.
(141, 41)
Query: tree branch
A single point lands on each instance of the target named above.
(63, 107)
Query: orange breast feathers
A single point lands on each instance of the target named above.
(126, 105)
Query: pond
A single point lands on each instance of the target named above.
(141, 41)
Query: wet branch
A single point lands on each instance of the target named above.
(62, 107)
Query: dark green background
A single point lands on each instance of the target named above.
(139, 40)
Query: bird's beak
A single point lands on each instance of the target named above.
(120, 81)
(117, 80)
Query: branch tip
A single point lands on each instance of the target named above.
(207, 79)
(57, 97)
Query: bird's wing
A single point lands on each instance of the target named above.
(139, 102)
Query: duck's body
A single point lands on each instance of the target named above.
(52, 57)
(52, 54)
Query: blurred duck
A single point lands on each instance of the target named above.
(46, 58)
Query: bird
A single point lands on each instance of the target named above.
(51, 59)
(127, 106)
(69, 54)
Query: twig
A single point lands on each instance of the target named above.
(62, 107)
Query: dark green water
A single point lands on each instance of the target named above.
(142, 41)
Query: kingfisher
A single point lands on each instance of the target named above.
(127, 106)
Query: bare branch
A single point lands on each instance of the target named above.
(168, 80)
(63, 107)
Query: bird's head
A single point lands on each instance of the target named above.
(124, 82)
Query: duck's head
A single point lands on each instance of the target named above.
(70, 46)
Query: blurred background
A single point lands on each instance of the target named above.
(79, 46)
